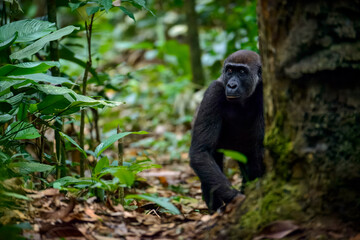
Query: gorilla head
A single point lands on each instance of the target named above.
(241, 74)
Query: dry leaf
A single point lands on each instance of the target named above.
(92, 214)
(62, 213)
(277, 230)
(163, 181)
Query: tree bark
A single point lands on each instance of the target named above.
(193, 41)
(311, 67)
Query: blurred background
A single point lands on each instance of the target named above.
(146, 62)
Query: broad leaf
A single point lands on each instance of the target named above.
(75, 6)
(39, 44)
(5, 117)
(27, 68)
(111, 140)
(21, 130)
(140, 3)
(74, 143)
(41, 77)
(64, 101)
(8, 42)
(107, 4)
(28, 30)
(127, 12)
(92, 10)
(234, 155)
(14, 195)
(101, 164)
(30, 167)
(125, 176)
(161, 201)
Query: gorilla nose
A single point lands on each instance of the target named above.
(232, 85)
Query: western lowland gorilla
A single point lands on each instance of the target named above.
(230, 117)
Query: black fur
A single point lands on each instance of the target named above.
(229, 117)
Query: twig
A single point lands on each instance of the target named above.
(88, 29)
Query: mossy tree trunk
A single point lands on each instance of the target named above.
(311, 69)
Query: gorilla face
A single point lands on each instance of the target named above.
(240, 81)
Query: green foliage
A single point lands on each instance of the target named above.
(108, 142)
(39, 44)
(122, 176)
(26, 30)
(234, 155)
(161, 201)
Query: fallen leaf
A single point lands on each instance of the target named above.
(45, 193)
(205, 218)
(277, 230)
(92, 214)
(163, 181)
(61, 213)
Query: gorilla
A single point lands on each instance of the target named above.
(230, 117)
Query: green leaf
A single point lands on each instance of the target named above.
(161, 201)
(53, 90)
(127, 12)
(140, 3)
(39, 44)
(15, 195)
(30, 167)
(52, 104)
(75, 6)
(66, 180)
(21, 130)
(27, 68)
(102, 163)
(3, 157)
(8, 42)
(74, 143)
(92, 10)
(5, 117)
(111, 140)
(41, 77)
(67, 101)
(234, 155)
(106, 3)
(28, 30)
(125, 176)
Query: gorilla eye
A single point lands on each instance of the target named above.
(229, 70)
(242, 71)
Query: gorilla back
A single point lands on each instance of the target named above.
(229, 117)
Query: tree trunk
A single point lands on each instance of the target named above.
(193, 41)
(311, 67)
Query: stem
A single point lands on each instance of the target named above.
(88, 29)
(54, 45)
(41, 153)
(96, 124)
(121, 163)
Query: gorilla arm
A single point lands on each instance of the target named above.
(206, 132)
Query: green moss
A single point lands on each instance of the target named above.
(273, 200)
(279, 146)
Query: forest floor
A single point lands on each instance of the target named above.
(54, 215)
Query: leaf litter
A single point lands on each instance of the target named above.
(54, 215)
